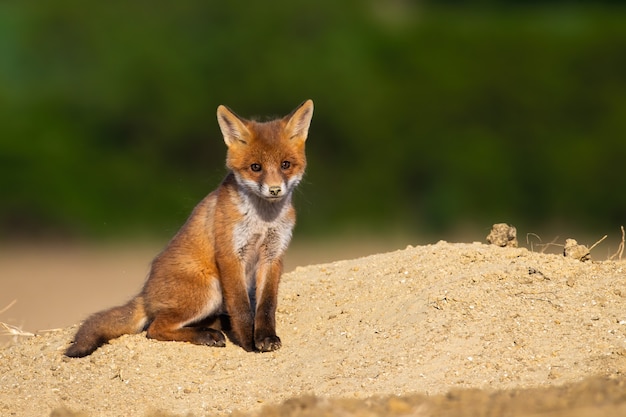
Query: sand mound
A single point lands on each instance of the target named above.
(427, 320)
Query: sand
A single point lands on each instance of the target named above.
(426, 330)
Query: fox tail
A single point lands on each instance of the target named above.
(101, 327)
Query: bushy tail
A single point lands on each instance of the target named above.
(101, 327)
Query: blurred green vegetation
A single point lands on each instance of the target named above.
(427, 118)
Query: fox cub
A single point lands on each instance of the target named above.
(227, 258)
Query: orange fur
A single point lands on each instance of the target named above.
(227, 258)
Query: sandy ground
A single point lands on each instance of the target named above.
(444, 326)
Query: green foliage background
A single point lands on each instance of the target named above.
(427, 118)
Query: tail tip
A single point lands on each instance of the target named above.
(77, 351)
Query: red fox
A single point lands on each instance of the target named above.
(227, 258)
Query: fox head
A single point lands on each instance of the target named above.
(267, 158)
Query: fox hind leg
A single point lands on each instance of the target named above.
(186, 315)
(169, 325)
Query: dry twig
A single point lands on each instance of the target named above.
(620, 248)
(597, 243)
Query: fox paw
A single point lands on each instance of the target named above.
(211, 337)
(268, 344)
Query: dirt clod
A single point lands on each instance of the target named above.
(503, 235)
(573, 250)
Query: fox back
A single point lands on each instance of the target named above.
(226, 260)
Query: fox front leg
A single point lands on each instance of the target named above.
(268, 277)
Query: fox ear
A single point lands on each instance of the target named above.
(299, 120)
(232, 126)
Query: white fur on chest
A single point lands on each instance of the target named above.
(264, 232)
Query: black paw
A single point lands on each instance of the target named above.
(212, 337)
(268, 344)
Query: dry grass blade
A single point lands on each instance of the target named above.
(553, 243)
(10, 330)
(11, 304)
(528, 242)
(543, 246)
(58, 329)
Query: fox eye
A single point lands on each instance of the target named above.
(255, 167)
(285, 164)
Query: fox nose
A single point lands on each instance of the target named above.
(275, 190)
